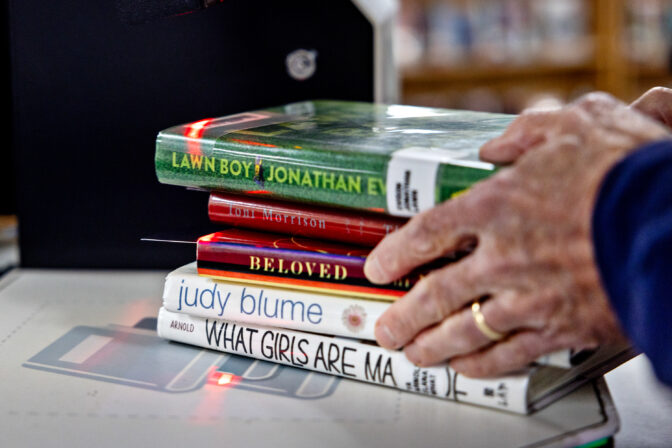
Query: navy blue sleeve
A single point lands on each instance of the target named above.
(632, 234)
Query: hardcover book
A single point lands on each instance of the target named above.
(522, 392)
(292, 262)
(385, 158)
(296, 219)
(187, 292)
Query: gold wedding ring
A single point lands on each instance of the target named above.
(480, 323)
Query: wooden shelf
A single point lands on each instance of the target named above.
(437, 74)
(606, 69)
(644, 71)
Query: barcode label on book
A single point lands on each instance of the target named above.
(411, 177)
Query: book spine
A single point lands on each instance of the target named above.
(291, 268)
(346, 358)
(251, 167)
(300, 220)
(363, 181)
(319, 313)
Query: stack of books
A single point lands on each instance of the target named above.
(303, 192)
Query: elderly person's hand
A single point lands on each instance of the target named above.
(532, 266)
(532, 127)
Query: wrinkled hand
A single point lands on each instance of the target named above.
(533, 127)
(533, 257)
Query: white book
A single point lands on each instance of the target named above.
(345, 357)
(187, 292)
(523, 392)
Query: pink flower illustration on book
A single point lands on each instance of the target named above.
(354, 318)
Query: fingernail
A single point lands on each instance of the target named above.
(385, 337)
(373, 270)
(412, 352)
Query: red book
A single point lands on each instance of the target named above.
(293, 262)
(362, 228)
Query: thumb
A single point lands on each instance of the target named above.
(656, 103)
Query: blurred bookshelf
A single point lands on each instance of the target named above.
(506, 55)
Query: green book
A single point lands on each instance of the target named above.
(386, 158)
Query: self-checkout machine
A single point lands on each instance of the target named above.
(92, 83)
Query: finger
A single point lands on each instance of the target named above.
(514, 353)
(432, 299)
(427, 236)
(610, 113)
(527, 131)
(597, 102)
(608, 128)
(656, 103)
(458, 334)
(607, 112)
